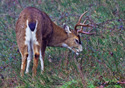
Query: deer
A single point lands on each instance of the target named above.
(35, 31)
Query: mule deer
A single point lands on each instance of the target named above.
(35, 30)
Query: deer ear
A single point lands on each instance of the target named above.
(67, 30)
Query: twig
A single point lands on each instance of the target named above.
(80, 71)
(17, 2)
(110, 83)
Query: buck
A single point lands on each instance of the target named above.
(35, 31)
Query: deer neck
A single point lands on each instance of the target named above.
(58, 36)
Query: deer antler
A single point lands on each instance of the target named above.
(83, 25)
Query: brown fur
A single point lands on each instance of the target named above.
(48, 34)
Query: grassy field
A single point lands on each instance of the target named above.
(100, 64)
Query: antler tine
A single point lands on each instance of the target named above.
(88, 33)
(81, 17)
(81, 24)
(84, 21)
(83, 32)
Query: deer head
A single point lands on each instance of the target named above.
(73, 41)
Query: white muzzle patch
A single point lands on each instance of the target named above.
(74, 50)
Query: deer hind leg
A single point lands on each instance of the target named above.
(24, 54)
(36, 49)
(42, 62)
(42, 55)
(29, 58)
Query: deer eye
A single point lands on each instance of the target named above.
(76, 40)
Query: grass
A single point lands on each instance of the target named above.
(102, 58)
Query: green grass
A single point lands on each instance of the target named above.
(102, 58)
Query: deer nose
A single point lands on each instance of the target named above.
(80, 48)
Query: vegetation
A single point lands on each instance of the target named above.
(102, 62)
